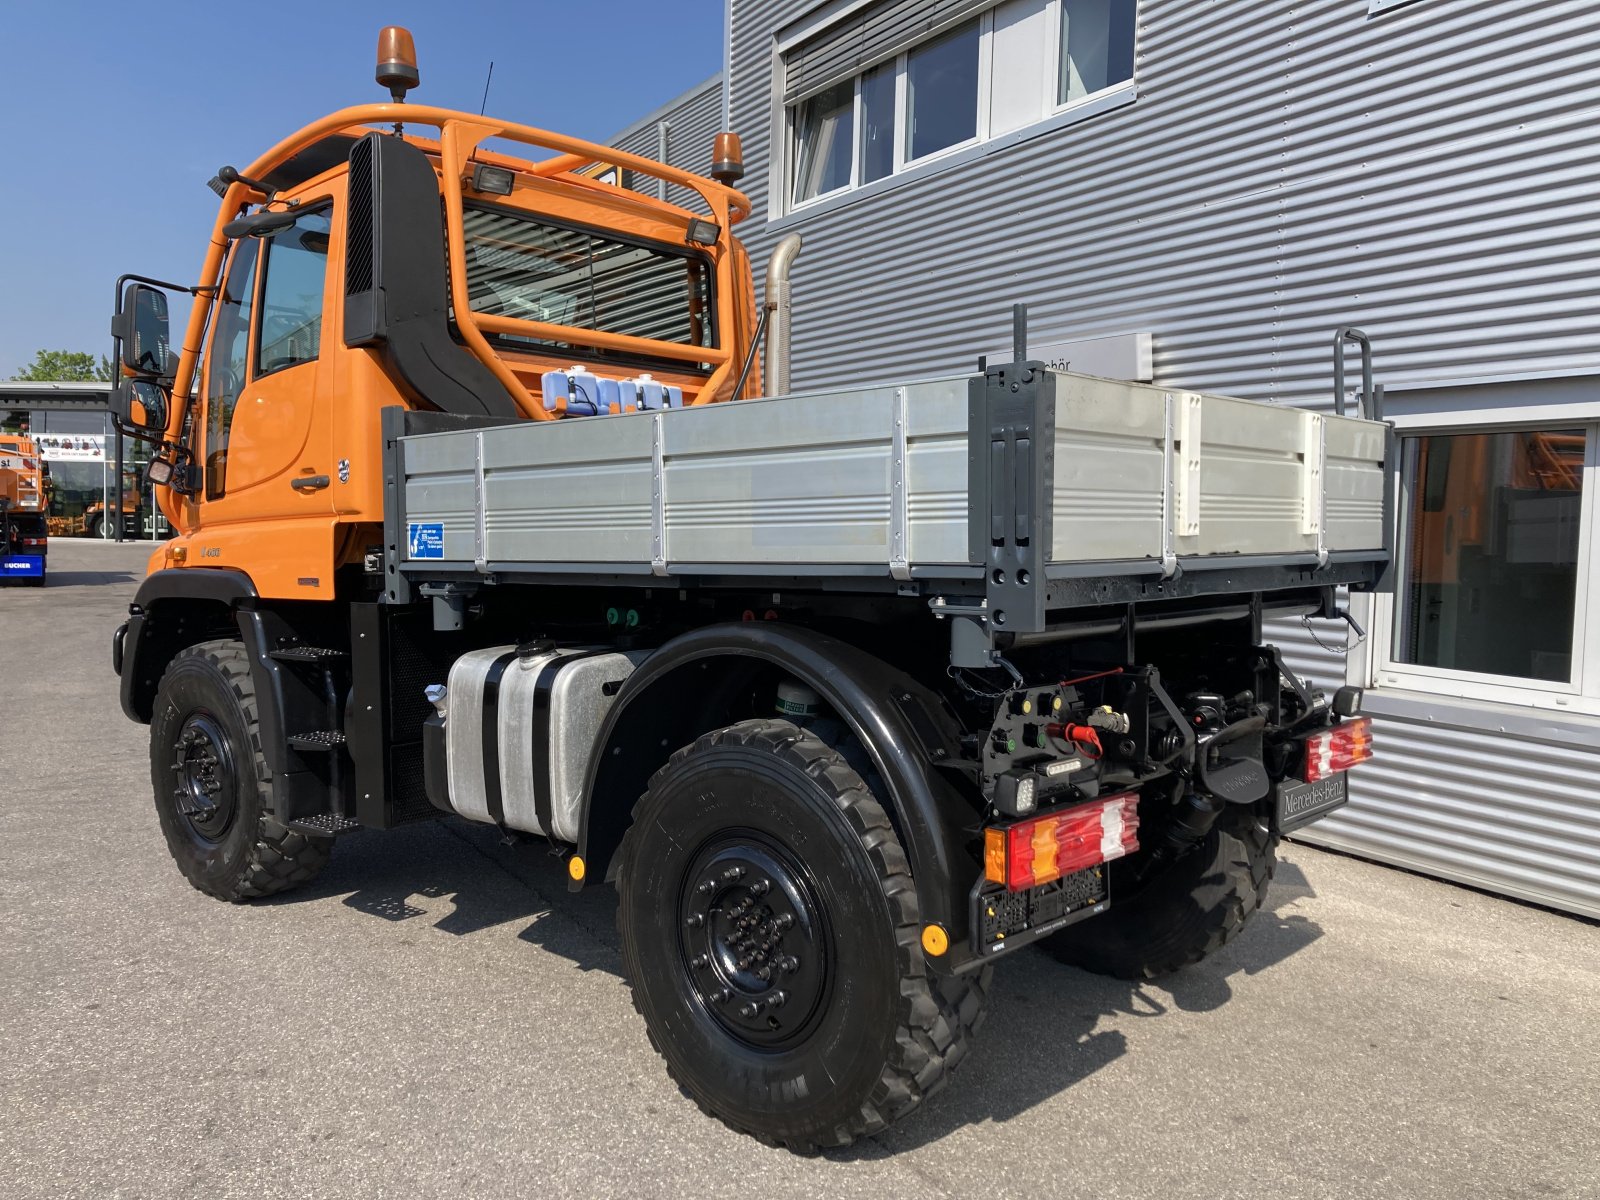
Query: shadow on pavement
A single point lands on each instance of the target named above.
(1035, 1001)
(88, 578)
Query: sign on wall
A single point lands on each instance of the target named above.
(1126, 356)
(71, 447)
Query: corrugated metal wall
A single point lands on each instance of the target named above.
(692, 121)
(1496, 812)
(1288, 167)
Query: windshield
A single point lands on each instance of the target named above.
(533, 270)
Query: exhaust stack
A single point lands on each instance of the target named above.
(778, 314)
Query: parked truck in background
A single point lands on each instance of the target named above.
(851, 695)
(24, 537)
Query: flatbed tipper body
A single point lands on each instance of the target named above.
(1146, 487)
(851, 694)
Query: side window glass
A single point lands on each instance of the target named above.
(230, 345)
(290, 328)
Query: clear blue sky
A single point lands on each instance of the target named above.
(120, 112)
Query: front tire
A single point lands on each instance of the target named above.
(1194, 907)
(212, 781)
(771, 935)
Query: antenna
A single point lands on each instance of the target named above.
(482, 108)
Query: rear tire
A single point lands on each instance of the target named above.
(212, 782)
(771, 936)
(1197, 905)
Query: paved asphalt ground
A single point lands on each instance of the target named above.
(436, 1016)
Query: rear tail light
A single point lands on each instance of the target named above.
(34, 541)
(1337, 749)
(1037, 851)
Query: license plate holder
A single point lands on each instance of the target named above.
(1300, 803)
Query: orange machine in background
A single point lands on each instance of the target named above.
(24, 537)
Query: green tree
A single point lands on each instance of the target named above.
(73, 366)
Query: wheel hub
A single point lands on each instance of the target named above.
(753, 941)
(205, 781)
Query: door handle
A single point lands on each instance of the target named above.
(310, 483)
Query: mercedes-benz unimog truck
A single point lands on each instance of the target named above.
(486, 511)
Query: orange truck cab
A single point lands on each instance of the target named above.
(24, 539)
(481, 512)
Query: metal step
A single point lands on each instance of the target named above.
(306, 654)
(319, 739)
(325, 824)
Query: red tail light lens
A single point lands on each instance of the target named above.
(1337, 749)
(1037, 851)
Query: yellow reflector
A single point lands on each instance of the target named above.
(575, 868)
(935, 940)
(994, 855)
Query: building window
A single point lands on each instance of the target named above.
(1492, 591)
(942, 92)
(902, 82)
(1096, 47)
(826, 130)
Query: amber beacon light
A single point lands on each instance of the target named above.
(397, 61)
(727, 159)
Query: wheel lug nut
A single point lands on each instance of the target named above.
(743, 964)
(706, 888)
(764, 973)
(761, 887)
(722, 995)
(785, 921)
(777, 999)
(695, 921)
(790, 964)
(749, 1010)
(701, 962)
(732, 873)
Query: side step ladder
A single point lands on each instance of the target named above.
(330, 741)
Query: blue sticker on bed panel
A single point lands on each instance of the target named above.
(425, 539)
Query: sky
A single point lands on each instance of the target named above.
(120, 113)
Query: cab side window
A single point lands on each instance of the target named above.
(293, 264)
(290, 328)
(230, 346)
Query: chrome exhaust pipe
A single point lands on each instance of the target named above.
(778, 313)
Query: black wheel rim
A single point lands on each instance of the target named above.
(205, 785)
(754, 941)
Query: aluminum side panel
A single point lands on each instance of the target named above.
(1353, 476)
(439, 489)
(781, 481)
(569, 491)
(1110, 470)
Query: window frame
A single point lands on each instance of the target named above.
(1051, 113)
(667, 249)
(1581, 691)
(323, 206)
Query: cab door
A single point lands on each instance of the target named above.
(266, 504)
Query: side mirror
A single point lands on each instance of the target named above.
(142, 328)
(139, 408)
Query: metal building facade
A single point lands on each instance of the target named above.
(1422, 168)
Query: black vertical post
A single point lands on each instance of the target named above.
(1011, 414)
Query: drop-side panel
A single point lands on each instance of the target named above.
(877, 479)
(802, 481)
(1352, 476)
(936, 472)
(1240, 478)
(439, 490)
(568, 491)
(1110, 472)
